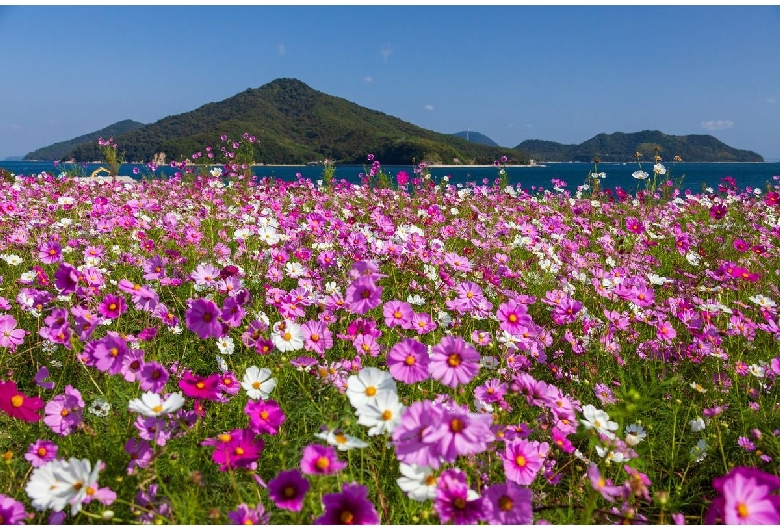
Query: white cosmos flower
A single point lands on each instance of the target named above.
(60, 482)
(418, 482)
(225, 345)
(762, 301)
(640, 175)
(287, 336)
(599, 420)
(699, 451)
(697, 424)
(268, 234)
(367, 385)
(415, 299)
(258, 382)
(221, 364)
(660, 169)
(635, 434)
(342, 442)
(658, 280)
(151, 404)
(216, 172)
(383, 416)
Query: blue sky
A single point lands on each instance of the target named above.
(511, 72)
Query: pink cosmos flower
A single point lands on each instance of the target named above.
(41, 452)
(320, 460)
(316, 336)
(408, 361)
(240, 448)
(16, 404)
(665, 331)
(265, 417)
(454, 361)
(513, 317)
(398, 313)
(202, 318)
(521, 461)
(10, 335)
(363, 295)
(112, 306)
(745, 498)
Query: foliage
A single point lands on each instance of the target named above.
(294, 124)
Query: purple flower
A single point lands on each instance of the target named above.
(265, 417)
(508, 503)
(351, 506)
(454, 361)
(363, 295)
(455, 502)
(66, 278)
(408, 437)
(64, 411)
(202, 318)
(11, 511)
(288, 489)
(109, 352)
(140, 454)
(408, 361)
(41, 452)
(320, 460)
(112, 306)
(42, 374)
(460, 433)
(745, 498)
(246, 515)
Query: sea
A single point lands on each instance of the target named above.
(696, 177)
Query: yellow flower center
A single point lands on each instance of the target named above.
(512, 318)
(248, 521)
(157, 408)
(505, 504)
(289, 492)
(370, 391)
(341, 439)
(322, 463)
(41, 451)
(17, 401)
(454, 360)
(114, 352)
(315, 337)
(397, 314)
(520, 461)
(430, 480)
(200, 385)
(457, 425)
(386, 415)
(64, 412)
(239, 451)
(409, 361)
(91, 490)
(346, 517)
(112, 306)
(256, 385)
(460, 503)
(264, 415)
(742, 510)
(224, 437)
(287, 336)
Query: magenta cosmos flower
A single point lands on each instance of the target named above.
(112, 306)
(246, 515)
(454, 361)
(521, 461)
(16, 404)
(12, 512)
(460, 433)
(513, 317)
(202, 318)
(455, 502)
(363, 295)
(265, 417)
(288, 489)
(508, 503)
(199, 387)
(351, 506)
(320, 460)
(408, 361)
(240, 448)
(745, 498)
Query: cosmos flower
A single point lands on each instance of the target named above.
(152, 404)
(454, 361)
(351, 506)
(408, 361)
(258, 382)
(17, 404)
(320, 460)
(287, 490)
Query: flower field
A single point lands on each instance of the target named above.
(185, 351)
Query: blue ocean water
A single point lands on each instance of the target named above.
(695, 175)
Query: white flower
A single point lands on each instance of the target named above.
(269, 235)
(151, 404)
(367, 385)
(599, 420)
(258, 382)
(287, 336)
(418, 482)
(12, 259)
(216, 172)
(693, 258)
(242, 233)
(225, 345)
(294, 269)
(342, 442)
(658, 280)
(610, 455)
(635, 434)
(699, 451)
(59, 483)
(757, 370)
(762, 301)
(660, 169)
(698, 388)
(221, 364)
(640, 175)
(415, 299)
(697, 424)
(489, 362)
(382, 416)
(100, 407)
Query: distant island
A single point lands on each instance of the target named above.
(295, 124)
(622, 147)
(61, 150)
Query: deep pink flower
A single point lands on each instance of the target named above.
(112, 306)
(453, 502)
(41, 452)
(745, 498)
(17, 404)
(239, 448)
(521, 461)
(513, 317)
(265, 417)
(363, 295)
(320, 460)
(408, 361)
(202, 318)
(454, 361)
(199, 387)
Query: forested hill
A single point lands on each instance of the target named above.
(295, 124)
(622, 147)
(60, 150)
(477, 138)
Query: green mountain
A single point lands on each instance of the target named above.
(622, 147)
(295, 124)
(60, 150)
(477, 138)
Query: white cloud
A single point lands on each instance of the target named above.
(386, 51)
(716, 125)
(771, 100)
(281, 49)
(368, 79)
(428, 107)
